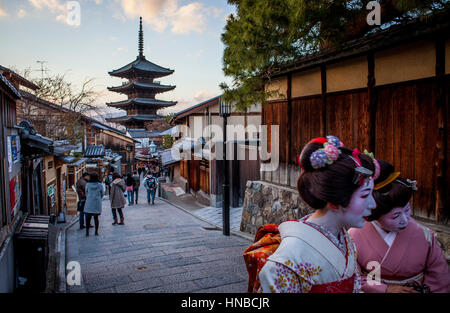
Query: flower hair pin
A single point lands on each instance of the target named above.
(328, 154)
(361, 173)
(411, 184)
(375, 162)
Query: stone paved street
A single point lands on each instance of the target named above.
(159, 249)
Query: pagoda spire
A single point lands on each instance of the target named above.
(141, 39)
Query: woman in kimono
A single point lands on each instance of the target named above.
(316, 254)
(396, 254)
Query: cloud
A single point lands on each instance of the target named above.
(203, 95)
(168, 14)
(21, 13)
(188, 18)
(67, 14)
(53, 5)
(3, 12)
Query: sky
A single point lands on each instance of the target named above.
(88, 38)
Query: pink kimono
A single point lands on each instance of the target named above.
(414, 255)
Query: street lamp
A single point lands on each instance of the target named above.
(152, 147)
(225, 111)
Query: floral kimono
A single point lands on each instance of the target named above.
(311, 259)
(410, 256)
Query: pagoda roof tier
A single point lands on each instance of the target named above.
(131, 118)
(131, 86)
(141, 68)
(142, 101)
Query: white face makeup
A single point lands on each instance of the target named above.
(360, 206)
(396, 220)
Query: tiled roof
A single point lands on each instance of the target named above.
(142, 101)
(78, 163)
(105, 127)
(127, 118)
(10, 87)
(142, 64)
(66, 158)
(22, 81)
(140, 85)
(196, 107)
(94, 151)
(142, 133)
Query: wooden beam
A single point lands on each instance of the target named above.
(441, 143)
(372, 95)
(289, 120)
(323, 78)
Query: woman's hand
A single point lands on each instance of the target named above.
(400, 289)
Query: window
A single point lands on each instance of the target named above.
(50, 165)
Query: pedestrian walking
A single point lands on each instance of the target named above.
(136, 185)
(93, 206)
(150, 185)
(157, 171)
(108, 182)
(139, 171)
(117, 199)
(129, 182)
(81, 191)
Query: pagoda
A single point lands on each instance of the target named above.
(141, 89)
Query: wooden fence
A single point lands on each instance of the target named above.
(404, 123)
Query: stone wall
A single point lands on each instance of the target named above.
(267, 203)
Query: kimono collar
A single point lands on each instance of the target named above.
(317, 241)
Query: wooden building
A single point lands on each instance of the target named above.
(99, 134)
(10, 184)
(200, 130)
(387, 93)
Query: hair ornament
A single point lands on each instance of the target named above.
(375, 162)
(410, 183)
(393, 176)
(328, 154)
(361, 173)
(334, 141)
(369, 154)
(377, 169)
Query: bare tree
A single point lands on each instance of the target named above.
(63, 120)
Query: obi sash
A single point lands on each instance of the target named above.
(402, 281)
(340, 286)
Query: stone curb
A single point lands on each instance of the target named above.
(232, 232)
(62, 285)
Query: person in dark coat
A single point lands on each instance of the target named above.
(136, 185)
(117, 199)
(93, 206)
(130, 183)
(81, 192)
